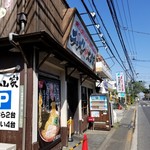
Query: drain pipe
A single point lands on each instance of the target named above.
(11, 35)
(22, 20)
(10, 69)
(25, 106)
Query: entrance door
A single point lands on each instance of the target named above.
(72, 98)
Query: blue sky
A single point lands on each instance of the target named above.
(134, 21)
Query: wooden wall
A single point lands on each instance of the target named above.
(52, 16)
(8, 22)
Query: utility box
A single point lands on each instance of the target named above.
(100, 111)
(7, 146)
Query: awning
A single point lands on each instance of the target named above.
(43, 41)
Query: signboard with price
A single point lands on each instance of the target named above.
(9, 101)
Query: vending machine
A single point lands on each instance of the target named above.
(100, 111)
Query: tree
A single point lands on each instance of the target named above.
(138, 87)
(146, 91)
(135, 88)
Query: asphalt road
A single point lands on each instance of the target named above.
(141, 137)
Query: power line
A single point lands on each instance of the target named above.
(125, 18)
(139, 32)
(116, 23)
(141, 60)
(103, 38)
(131, 25)
(122, 65)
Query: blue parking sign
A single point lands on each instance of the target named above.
(5, 99)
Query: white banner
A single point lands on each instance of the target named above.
(9, 101)
(120, 82)
(81, 44)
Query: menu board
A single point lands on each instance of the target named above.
(98, 102)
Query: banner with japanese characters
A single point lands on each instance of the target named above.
(120, 82)
(9, 101)
(81, 44)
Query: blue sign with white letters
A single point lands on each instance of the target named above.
(5, 99)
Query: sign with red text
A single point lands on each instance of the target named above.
(120, 82)
(81, 44)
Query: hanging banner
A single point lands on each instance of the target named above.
(81, 44)
(9, 101)
(120, 82)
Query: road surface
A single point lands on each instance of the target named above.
(141, 137)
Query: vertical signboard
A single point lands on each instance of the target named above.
(81, 44)
(9, 101)
(120, 82)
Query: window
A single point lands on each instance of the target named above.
(84, 100)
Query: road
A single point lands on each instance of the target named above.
(122, 137)
(141, 136)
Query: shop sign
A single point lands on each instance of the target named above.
(121, 94)
(98, 102)
(81, 44)
(120, 82)
(9, 101)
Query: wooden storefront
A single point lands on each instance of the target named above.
(33, 43)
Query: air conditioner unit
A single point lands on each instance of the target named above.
(7, 146)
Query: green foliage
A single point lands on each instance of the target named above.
(114, 92)
(138, 87)
(135, 88)
(146, 91)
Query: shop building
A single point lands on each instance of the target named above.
(47, 73)
(104, 71)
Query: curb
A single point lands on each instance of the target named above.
(131, 131)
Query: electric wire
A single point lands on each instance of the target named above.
(139, 32)
(122, 65)
(125, 18)
(110, 38)
(131, 27)
(120, 36)
(102, 38)
(141, 60)
(116, 23)
(98, 33)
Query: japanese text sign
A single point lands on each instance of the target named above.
(120, 82)
(81, 44)
(9, 101)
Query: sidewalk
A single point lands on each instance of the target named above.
(95, 138)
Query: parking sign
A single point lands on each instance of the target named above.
(5, 99)
(9, 101)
